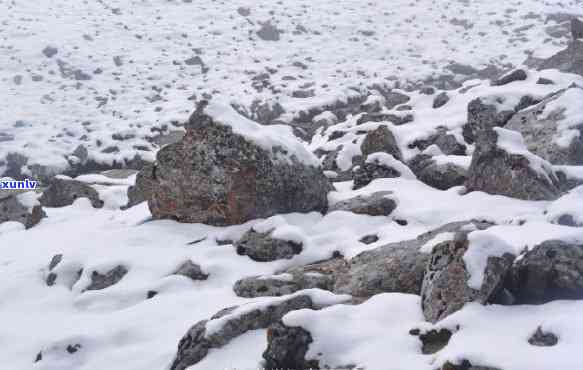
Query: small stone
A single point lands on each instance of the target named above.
(543, 339)
(50, 51)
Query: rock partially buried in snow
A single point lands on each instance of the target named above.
(20, 207)
(550, 271)
(268, 32)
(191, 270)
(441, 176)
(263, 247)
(287, 347)
(228, 170)
(516, 75)
(380, 140)
(447, 284)
(63, 192)
(141, 191)
(378, 166)
(502, 165)
(485, 113)
(553, 129)
(233, 322)
(101, 281)
(569, 60)
(376, 204)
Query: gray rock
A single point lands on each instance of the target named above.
(380, 140)
(552, 270)
(264, 286)
(218, 177)
(12, 209)
(50, 51)
(268, 32)
(196, 343)
(539, 133)
(376, 204)
(245, 12)
(63, 192)
(52, 277)
(395, 267)
(445, 287)
(569, 60)
(495, 171)
(396, 119)
(369, 171)
(142, 190)
(516, 75)
(101, 281)
(264, 112)
(447, 143)
(287, 347)
(543, 339)
(191, 270)
(261, 247)
(576, 28)
(392, 98)
(484, 115)
(440, 100)
(433, 340)
(439, 176)
(465, 365)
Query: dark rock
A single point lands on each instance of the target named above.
(447, 143)
(142, 190)
(385, 117)
(151, 294)
(576, 28)
(516, 75)
(371, 170)
(376, 204)
(287, 347)
(268, 32)
(50, 51)
(196, 343)
(440, 100)
(218, 177)
(445, 287)
(434, 340)
(439, 176)
(261, 247)
(544, 81)
(369, 239)
(264, 286)
(495, 171)
(569, 60)
(543, 339)
(13, 209)
(380, 140)
(102, 281)
(465, 365)
(191, 270)
(483, 115)
(550, 271)
(52, 276)
(64, 192)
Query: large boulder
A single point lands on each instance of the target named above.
(263, 247)
(550, 271)
(63, 192)
(20, 207)
(228, 170)
(552, 129)
(395, 267)
(446, 285)
(502, 165)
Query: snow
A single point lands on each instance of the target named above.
(569, 106)
(568, 204)
(482, 246)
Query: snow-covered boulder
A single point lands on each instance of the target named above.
(63, 191)
(439, 175)
(553, 129)
(502, 165)
(550, 271)
(228, 170)
(22, 207)
(463, 270)
(377, 166)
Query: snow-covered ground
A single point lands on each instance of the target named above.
(126, 67)
(112, 74)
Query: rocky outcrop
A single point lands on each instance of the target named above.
(514, 172)
(550, 271)
(197, 342)
(20, 207)
(541, 127)
(376, 204)
(63, 192)
(221, 174)
(441, 176)
(445, 287)
(262, 247)
(287, 347)
(380, 140)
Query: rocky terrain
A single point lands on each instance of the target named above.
(292, 185)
